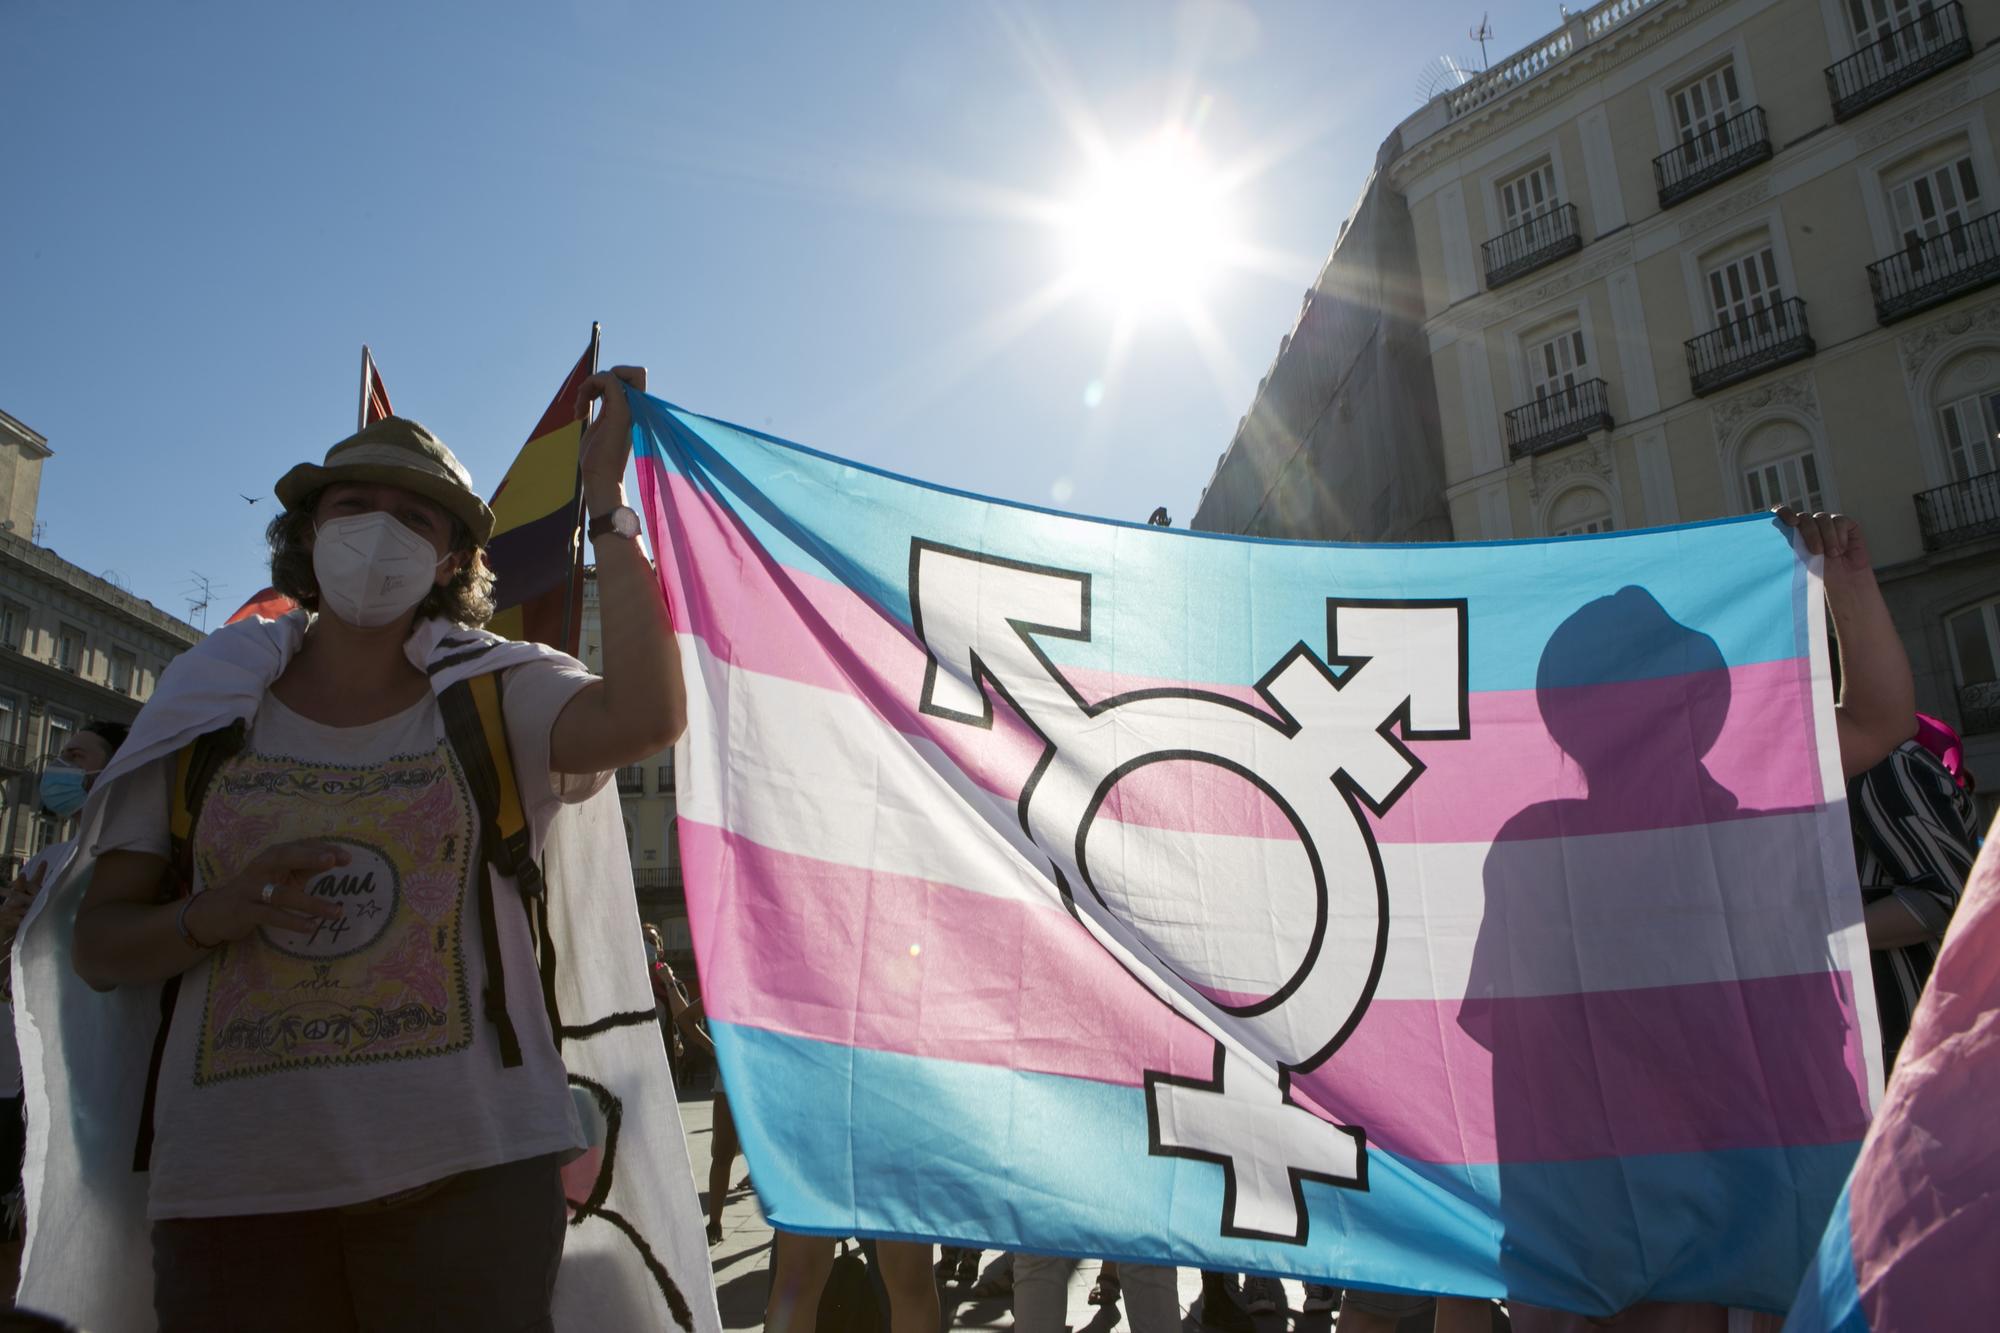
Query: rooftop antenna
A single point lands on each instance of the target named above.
(201, 591)
(1482, 34)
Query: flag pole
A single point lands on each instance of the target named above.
(570, 627)
(361, 410)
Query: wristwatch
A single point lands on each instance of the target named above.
(620, 522)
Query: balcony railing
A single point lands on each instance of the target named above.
(651, 878)
(631, 780)
(1559, 418)
(1749, 346)
(1712, 156)
(1979, 707)
(664, 781)
(1936, 39)
(1540, 240)
(14, 757)
(1963, 258)
(1961, 512)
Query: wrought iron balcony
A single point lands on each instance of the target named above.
(1749, 346)
(14, 757)
(1961, 512)
(1713, 156)
(1559, 418)
(1930, 272)
(1979, 707)
(664, 781)
(653, 878)
(631, 780)
(1540, 240)
(1936, 39)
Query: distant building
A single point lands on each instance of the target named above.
(646, 796)
(1676, 260)
(73, 648)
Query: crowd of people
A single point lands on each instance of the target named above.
(232, 806)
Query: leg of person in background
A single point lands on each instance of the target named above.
(1263, 1295)
(1104, 1291)
(1219, 1307)
(999, 1280)
(799, 1267)
(1320, 1296)
(1152, 1297)
(722, 1150)
(906, 1276)
(1462, 1314)
(1380, 1311)
(968, 1265)
(1041, 1292)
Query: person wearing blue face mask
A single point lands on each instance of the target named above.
(66, 780)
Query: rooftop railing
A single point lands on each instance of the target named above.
(1749, 346)
(1962, 258)
(1936, 39)
(1713, 156)
(1559, 418)
(1542, 239)
(1577, 32)
(1962, 511)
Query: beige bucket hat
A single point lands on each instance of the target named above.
(395, 451)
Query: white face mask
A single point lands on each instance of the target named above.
(371, 569)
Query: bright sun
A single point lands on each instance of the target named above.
(1150, 228)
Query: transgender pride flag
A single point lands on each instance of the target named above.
(1462, 918)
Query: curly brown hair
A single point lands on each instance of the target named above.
(466, 600)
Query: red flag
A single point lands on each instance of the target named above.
(374, 395)
(269, 603)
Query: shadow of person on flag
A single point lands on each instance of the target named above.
(1661, 1031)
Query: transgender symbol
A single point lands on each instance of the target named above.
(1204, 935)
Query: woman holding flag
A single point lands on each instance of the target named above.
(358, 1115)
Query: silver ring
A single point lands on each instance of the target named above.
(267, 892)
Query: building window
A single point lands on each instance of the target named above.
(13, 625)
(60, 730)
(1527, 195)
(124, 671)
(1579, 510)
(1975, 659)
(1743, 291)
(1702, 110)
(1557, 365)
(69, 648)
(1876, 20)
(10, 719)
(1781, 467)
(1971, 433)
(1939, 199)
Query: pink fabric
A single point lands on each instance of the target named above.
(894, 963)
(1937, 736)
(769, 627)
(1924, 1203)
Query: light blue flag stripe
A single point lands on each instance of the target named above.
(852, 524)
(944, 1151)
(1829, 1299)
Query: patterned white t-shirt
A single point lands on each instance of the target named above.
(354, 1059)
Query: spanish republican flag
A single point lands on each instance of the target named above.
(536, 550)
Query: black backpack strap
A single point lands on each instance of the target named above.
(195, 768)
(475, 725)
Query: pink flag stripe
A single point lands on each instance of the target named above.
(895, 963)
(804, 628)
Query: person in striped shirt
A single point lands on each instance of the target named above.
(1913, 848)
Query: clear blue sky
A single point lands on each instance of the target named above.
(802, 217)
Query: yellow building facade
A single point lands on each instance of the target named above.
(1689, 258)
